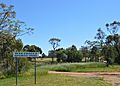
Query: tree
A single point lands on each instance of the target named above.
(113, 27)
(7, 60)
(10, 28)
(55, 43)
(61, 55)
(114, 41)
(73, 55)
(94, 53)
(114, 38)
(9, 24)
(85, 52)
(32, 48)
(100, 36)
(43, 55)
(109, 53)
(94, 50)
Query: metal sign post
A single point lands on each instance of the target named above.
(17, 55)
(35, 71)
(16, 71)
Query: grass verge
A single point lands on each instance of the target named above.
(54, 80)
(45, 79)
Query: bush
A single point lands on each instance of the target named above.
(2, 76)
(23, 65)
(8, 69)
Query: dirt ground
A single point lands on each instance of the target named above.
(111, 77)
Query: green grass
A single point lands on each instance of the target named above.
(114, 68)
(83, 67)
(45, 79)
(54, 80)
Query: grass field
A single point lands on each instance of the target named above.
(83, 67)
(54, 80)
(45, 79)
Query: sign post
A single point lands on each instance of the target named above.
(35, 71)
(17, 55)
(16, 71)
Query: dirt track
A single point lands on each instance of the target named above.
(110, 77)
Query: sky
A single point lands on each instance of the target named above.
(72, 21)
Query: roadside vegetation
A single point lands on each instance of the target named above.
(97, 55)
(82, 67)
(45, 79)
(54, 80)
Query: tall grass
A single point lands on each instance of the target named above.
(69, 67)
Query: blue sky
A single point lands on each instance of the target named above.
(72, 21)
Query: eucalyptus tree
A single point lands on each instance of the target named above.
(10, 27)
(100, 36)
(109, 53)
(114, 38)
(85, 52)
(93, 49)
(113, 27)
(73, 55)
(32, 48)
(9, 23)
(55, 43)
(10, 30)
(60, 54)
